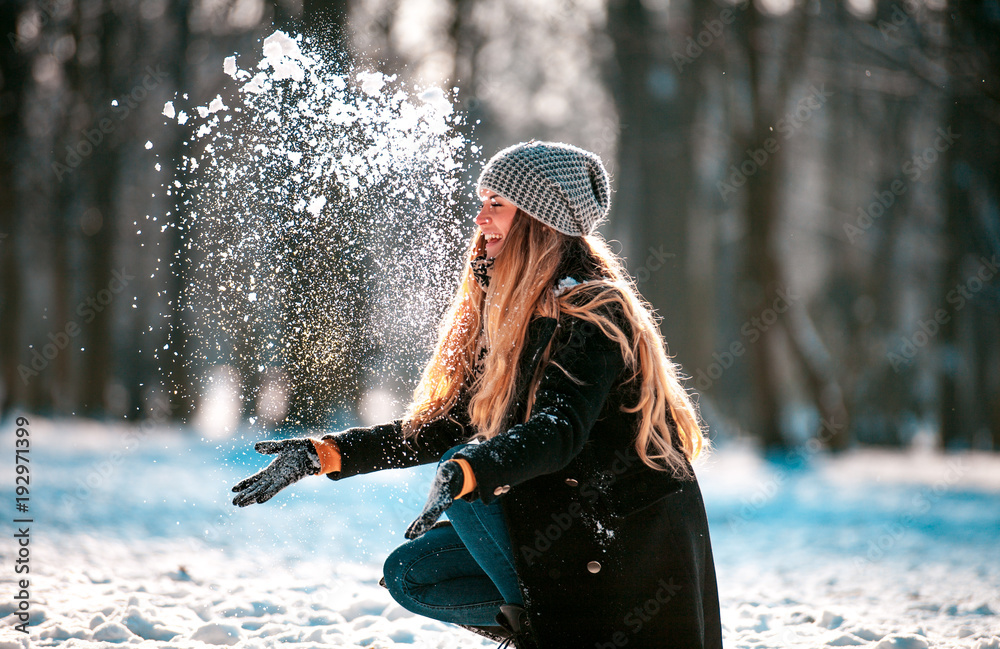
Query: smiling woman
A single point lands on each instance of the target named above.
(549, 404)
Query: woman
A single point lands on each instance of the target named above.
(562, 435)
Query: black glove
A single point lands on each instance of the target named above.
(447, 485)
(296, 458)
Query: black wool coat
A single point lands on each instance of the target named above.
(609, 552)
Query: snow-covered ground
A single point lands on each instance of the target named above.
(134, 543)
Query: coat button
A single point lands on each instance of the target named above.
(498, 491)
(594, 567)
(506, 488)
(573, 482)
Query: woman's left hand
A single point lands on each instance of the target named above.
(447, 485)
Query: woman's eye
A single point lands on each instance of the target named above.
(495, 205)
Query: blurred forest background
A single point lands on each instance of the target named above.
(808, 192)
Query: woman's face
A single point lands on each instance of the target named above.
(494, 220)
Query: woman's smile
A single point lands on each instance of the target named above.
(494, 221)
(493, 239)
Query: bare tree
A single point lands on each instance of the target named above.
(970, 348)
(656, 104)
(770, 79)
(14, 70)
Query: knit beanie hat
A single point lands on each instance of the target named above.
(559, 184)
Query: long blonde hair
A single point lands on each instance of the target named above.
(521, 288)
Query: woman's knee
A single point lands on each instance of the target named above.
(406, 567)
(394, 571)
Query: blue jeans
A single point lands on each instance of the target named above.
(460, 573)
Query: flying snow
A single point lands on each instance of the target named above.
(322, 223)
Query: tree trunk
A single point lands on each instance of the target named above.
(15, 74)
(656, 104)
(970, 382)
(175, 378)
(763, 189)
(104, 173)
(763, 258)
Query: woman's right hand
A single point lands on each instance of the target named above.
(295, 459)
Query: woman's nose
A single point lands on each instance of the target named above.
(483, 218)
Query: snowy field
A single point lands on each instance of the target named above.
(134, 543)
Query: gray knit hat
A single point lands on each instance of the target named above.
(559, 184)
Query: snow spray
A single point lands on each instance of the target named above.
(321, 223)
